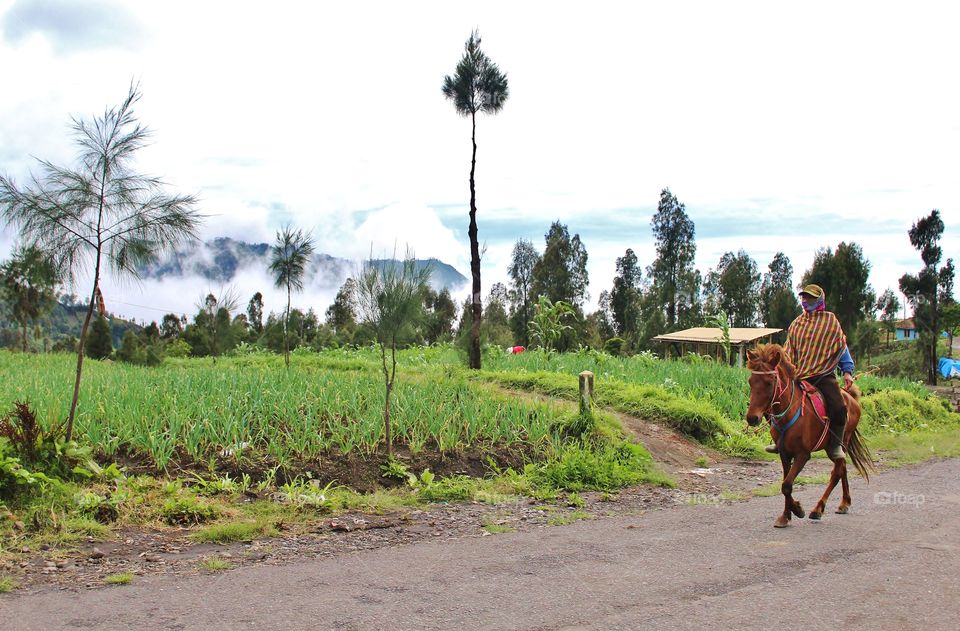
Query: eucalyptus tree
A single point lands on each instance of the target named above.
(477, 86)
(389, 302)
(101, 215)
(523, 260)
(289, 257)
(28, 287)
(672, 271)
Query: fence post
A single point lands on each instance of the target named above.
(586, 392)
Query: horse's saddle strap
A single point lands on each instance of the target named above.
(815, 398)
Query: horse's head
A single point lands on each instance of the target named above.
(769, 368)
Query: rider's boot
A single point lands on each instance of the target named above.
(771, 449)
(835, 439)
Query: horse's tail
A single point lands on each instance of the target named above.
(860, 455)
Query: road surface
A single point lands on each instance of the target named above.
(892, 563)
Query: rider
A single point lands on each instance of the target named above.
(816, 346)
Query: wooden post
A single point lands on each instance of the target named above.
(586, 392)
(740, 356)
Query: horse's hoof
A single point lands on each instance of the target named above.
(781, 523)
(798, 511)
(843, 510)
(815, 515)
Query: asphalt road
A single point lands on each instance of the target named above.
(892, 563)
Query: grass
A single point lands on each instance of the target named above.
(570, 518)
(122, 578)
(215, 564)
(498, 529)
(7, 585)
(241, 412)
(774, 489)
(917, 446)
(232, 532)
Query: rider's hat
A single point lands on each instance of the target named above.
(814, 291)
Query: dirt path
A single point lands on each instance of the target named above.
(890, 564)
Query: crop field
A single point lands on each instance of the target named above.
(251, 406)
(205, 408)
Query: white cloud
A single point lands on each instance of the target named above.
(317, 114)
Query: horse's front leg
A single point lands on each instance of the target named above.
(790, 505)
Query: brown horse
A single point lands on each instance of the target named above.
(797, 429)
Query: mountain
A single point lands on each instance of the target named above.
(221, 259)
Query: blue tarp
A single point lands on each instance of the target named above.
(949, 367)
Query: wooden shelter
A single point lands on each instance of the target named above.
(708, 341)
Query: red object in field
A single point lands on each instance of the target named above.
(517, 349)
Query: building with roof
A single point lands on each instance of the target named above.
(709, 341)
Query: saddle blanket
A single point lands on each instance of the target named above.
(813, 395)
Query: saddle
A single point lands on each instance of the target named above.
(813, 395)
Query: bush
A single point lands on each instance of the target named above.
(614, 346)
(899, 412)
(602, 468)
(188, 510)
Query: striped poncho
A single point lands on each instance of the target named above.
(814, 343)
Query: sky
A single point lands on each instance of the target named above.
(780, 127)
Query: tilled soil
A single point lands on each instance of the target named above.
(145, 552)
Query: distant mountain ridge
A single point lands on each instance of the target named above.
(222, 258)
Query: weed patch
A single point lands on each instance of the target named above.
(123, 578)
(602, 468)
(233, 532)
(571, 518)
(216, 564)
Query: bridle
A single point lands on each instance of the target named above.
(778, 392)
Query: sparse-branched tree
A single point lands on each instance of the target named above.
(101, 215)
(389, 300)
(929, 290)
(888, 305)
(477, 86)
(289, 257)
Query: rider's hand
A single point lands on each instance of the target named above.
(847, 380)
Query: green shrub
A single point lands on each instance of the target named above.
(899, 411)
(234, 531)
(457, 488)
(601, 468)
(187, 510)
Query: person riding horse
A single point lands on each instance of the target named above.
(816, 346)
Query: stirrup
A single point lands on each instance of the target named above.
(771, 449)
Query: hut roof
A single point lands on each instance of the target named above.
(713, 335)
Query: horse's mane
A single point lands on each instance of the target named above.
(766, 356)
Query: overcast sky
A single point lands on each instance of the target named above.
(780, 126)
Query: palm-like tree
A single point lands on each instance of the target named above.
(476, 86)
(101, 215)
(288, 262)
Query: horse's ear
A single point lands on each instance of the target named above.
(752, 355)
(776, 359)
